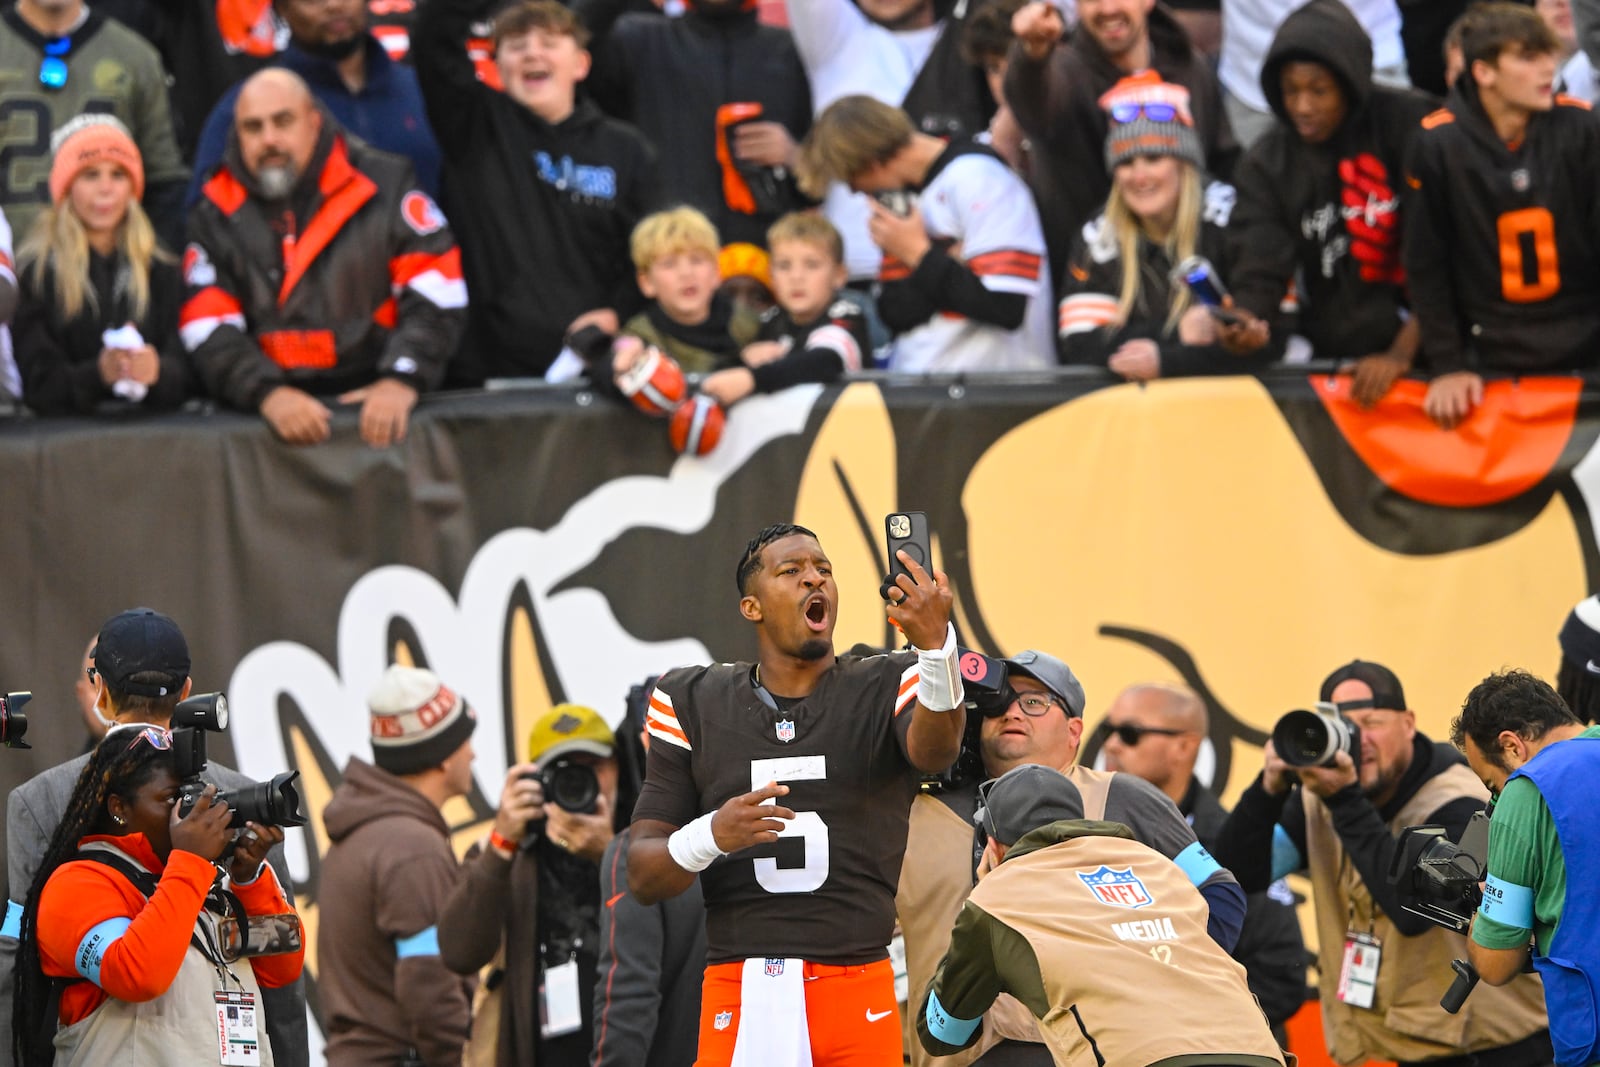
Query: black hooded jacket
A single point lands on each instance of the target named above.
(1332, 211)
(544, 211)
(1502, 242)
(1057, 103)
(669, 77)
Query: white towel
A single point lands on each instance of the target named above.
(772, 1015)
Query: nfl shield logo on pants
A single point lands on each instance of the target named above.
(785, 729)
(774, 968)
(1119, 888)
(723, 1020)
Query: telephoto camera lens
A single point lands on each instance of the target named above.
(1308, 739)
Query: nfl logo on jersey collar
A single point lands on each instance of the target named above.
(774, 967)
(1120, 889)
(785, 730)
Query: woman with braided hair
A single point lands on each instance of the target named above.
(121, 919)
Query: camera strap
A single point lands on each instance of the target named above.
(219, 902)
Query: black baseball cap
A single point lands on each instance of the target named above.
(144, 642)
(1024, 799)
(1386, 690)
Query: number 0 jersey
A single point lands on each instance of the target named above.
(1501, 241)
(825, 891)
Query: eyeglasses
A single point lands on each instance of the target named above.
(983, 817)
(1131, 735)
(1153, 112)
(53, 67)
(94, 675)
(154, 736)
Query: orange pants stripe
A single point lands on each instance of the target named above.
(851, 1015)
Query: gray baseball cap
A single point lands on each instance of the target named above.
(1053, 675)
(1024, 799)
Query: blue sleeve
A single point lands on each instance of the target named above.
(1227, 912)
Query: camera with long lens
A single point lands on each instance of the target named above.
(1315, 738)
(1439, 880)
(988, 694)
(13, 723)
(570, 785)
(274, 803)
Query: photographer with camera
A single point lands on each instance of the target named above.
(387, 999)
(129, 921)
(530, 901)
(1027, 710)
(1534, 755)
(1335, 792)
(140, 662)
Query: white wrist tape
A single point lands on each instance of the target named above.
(939, 677)
(694, 847)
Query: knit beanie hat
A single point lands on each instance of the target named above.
(417, 721)
(1149, 117)
(88, 139)
(1580, 634)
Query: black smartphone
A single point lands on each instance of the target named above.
(906, 530)
(899, 201)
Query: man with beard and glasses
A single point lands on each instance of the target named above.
(354, 79)
(786, 786)
(317, 268)
(1381, 968)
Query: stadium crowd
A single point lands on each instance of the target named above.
(283, 208)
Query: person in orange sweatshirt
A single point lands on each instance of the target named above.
(126, 919)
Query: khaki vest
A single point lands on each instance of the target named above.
(1145, 981)
(1405, 1021)
(176, 1029)
(935, 880)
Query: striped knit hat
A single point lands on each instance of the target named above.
(417, 721)
(1149, 117)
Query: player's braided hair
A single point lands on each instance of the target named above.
(750, 562)
(119, 766)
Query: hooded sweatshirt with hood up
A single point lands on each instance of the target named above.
(1332, 211)
(383, 885)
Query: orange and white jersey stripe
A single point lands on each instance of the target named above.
(907, 694)
(661, 721)
(1082, 312)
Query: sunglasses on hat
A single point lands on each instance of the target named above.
(1131, 112)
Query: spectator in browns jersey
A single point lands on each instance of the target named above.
(785, 786)
(815, 334)
(1319, 198)
(1502, 243)
(1054, 89)
(964, 277)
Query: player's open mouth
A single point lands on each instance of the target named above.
(817, 612)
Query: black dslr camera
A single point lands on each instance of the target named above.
(1439, 880)
(1439, 876)
(983, 678)
(1315, 738)
(13, 724)
(274, 803)
(569, 784)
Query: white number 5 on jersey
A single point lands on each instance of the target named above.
(806, 824)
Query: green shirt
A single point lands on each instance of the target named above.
(1527, 883)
